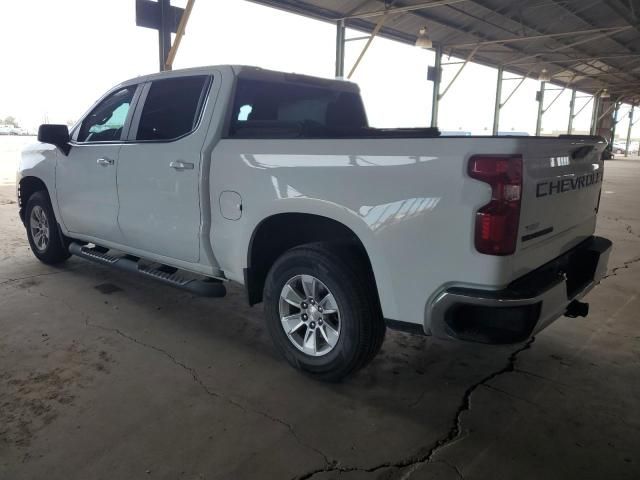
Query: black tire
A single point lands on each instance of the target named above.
(344, 272)
(55, 251)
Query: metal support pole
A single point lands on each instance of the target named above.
(497, 105)
(435, 97)
(591, 98)
(613, 127)
(179, 34)
(375, 31)
(594, 115)
(522, 79)
(340, 44)
(572, 107)
(540, 108)
(626, 149)
(455, 77)
(606, 112)
(554, 99)
(164, 33)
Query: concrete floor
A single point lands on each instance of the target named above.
(109, 376)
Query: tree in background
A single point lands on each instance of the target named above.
(10, 121)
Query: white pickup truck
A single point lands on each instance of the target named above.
(275, 181)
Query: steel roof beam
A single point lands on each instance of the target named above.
(589, 75)
(405, 9)
(624, 14)
(603, 31)
(500, 13)
(454, 26)
(568, 11)
(475, 19)
(436, 18)
(573, 68)
(576, 14)
(582, 59)
(360, 5)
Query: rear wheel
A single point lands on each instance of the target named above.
(322, 310)
(45, 239)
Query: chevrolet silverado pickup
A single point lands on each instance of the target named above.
(276, 182)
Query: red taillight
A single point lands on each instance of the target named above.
(497, 221)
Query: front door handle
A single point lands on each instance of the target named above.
(103, 161)
(180, 165)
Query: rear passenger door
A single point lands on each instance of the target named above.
(159, 169)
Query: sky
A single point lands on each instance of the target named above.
(60, 56)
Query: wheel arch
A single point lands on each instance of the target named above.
(269, 240)
(26, 187)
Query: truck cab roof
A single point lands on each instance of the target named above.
(248, 71)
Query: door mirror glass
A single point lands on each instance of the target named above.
(57, 135)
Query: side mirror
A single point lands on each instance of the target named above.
(57, 135)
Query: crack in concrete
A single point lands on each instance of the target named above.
(11, 280)
(627, 226)
(418, 399)
(196, 378)
(537, 375)
(194, 375)
(555, 384)
(454, 433)
(512, 396)
(625, 265)
(451, 466)
(411, 463)
(630, 230)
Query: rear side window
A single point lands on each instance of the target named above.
(106, 121)
(172, 108)
(273, 109)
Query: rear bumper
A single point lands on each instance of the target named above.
(525, 306)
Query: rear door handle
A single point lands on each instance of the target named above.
(180, 165)
(103, 161)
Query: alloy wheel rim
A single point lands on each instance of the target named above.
(39, 224)
(309, 315)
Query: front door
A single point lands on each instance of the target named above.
(86, 178)
(159, 169)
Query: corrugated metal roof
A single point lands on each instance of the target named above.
(588, 44)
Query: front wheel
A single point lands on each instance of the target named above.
(42, 230)
(322, 310)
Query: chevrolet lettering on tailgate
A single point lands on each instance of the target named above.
(567, 184)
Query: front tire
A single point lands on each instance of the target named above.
(45, 239)
(322, 310)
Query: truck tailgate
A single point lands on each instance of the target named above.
(560, 197)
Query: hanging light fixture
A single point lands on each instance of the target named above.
(604, 93)
(544, 76)
(423, 40)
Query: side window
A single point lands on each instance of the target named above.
(279, 109)
(105, 122)
(172, 108)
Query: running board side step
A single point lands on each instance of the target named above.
(205, 287)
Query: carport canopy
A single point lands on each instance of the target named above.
(589, 45)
